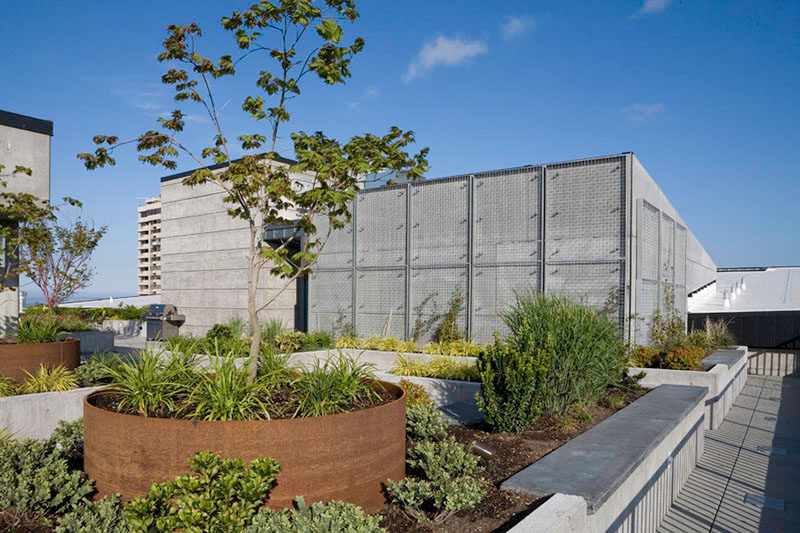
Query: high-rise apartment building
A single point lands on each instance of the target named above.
(150, 246)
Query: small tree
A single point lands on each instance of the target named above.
(56, 257)
(257, 189)
(29, 217)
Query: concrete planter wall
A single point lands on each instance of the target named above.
(16, 359)
(128, 328)
(93, 340)
(623, 474)
(35, 416)
(724, 380)
(335, 457)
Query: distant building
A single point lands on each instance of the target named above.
(149, 245)
(24, 141)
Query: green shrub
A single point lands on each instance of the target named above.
(643, 357)
(48, 380)
(36, 330)
(74, 323)
(513, 382)
(715, 336)
(95, 370)
(316, 340)
(424, 421)
(415, 394)
(68, 437)
(443, 481)
(587, 352)
(7, 386)
(223, 495)
(35, 475)
(334, 386)
(219, 332)
(683, 357)
(440, 367)
(334, 517)
(289, 341)
(667, 332)
(105, 515)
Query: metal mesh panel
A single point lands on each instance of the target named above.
(381, 303)
(680, 299)
(382, 228)
(437, 286)
(507, 217)
(599, 285)
(647, 305)
(338, 250)
(330, 298)
(493, 291)
(585, 211)
(680, 255)
(648, 242)
(667, 249)
(439, 231)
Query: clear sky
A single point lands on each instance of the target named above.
(705, 93)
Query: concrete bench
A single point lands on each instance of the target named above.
(624, 471)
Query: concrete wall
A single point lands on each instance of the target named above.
(35, 416)
(204, 260)
(29, 149)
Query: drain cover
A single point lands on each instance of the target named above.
(762, 501)
(771, 450)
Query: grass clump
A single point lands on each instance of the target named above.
(587, 353)
(46, 379)
(440, 367)
(225, 393)
(7, 386)
(334, 386)
(37, 330)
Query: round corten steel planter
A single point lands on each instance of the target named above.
(345, 457)
(16, 359)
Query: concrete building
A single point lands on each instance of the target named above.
(149, 247)
(24, 141)
(598, 229)
(204, 257)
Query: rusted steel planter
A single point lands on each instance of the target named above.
(15, 358)
(345, 457)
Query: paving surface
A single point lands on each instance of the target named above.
(749, 476)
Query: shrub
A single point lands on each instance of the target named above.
(666, 332)
(289, 341)
(74, 323)
(643, 357)
(7, 386)
(513, 379)
(441, 367)
(223, 495)
(443, 481)
(95, 369)
(587, 351)
(36, 330)
(35, 475)
(415, 394)
(333, 517)
(68, 437)
(424, 421)
(316, 340)
(49, 380)
(683, 357)
(715, 336)
(104, 515)
(219, 332)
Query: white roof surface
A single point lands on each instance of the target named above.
(771, 289)
(137, 301)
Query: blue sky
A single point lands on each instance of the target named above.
(705, 93)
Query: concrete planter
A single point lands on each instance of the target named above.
(335, 457)
(93, 340)
(622, 475)
(16, 359)
(35, 416)
(724, 380)
(128, 328)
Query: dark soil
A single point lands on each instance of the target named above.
(501, 510)
(21, 521)
(281, 403)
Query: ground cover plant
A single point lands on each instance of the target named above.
(93, 314)
(453, 348)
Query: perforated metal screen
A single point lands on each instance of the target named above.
(560, 228)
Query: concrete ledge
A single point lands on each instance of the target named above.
(561, 513)
(725, 379)
(128, 328)
(627, 469)
(442, 391)
(92, 341)
(35, 416)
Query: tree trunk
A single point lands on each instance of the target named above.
(252, 309)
